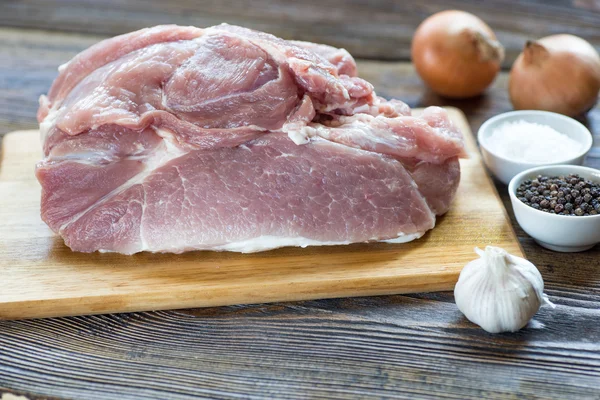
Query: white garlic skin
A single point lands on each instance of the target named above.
(499, 292)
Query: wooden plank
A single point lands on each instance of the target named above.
(390, 347)
(380, 29)
(43, 278)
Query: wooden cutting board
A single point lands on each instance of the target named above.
(41, 277)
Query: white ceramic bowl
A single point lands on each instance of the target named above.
(505, 169)
(556, 232)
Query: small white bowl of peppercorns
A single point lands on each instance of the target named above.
(558, 206)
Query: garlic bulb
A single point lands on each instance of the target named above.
(499, 292)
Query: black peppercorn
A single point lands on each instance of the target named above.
(570, 195)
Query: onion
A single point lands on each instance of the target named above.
(456, 54)
(559, 73)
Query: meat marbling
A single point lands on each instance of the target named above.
(173, 138)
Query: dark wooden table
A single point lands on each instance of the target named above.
(410, 346)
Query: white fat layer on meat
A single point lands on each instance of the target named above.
(48, 123)
(267, 242)
(355, 130)
(298, 135)
(167, 151)
(404, 238)
(64, 66)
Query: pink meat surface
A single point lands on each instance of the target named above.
(172, 139)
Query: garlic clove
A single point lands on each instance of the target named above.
(499, 292)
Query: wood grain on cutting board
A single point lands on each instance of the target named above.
(41, 277)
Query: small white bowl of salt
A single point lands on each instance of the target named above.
(515, 141)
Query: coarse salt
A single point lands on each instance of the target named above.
(523, 141)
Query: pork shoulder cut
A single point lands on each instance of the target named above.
(174, 138)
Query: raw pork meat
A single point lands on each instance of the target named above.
(174, 138)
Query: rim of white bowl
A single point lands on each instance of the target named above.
(487, 123)
(520, 177)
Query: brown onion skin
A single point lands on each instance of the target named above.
(559, 73)
(453, 64)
